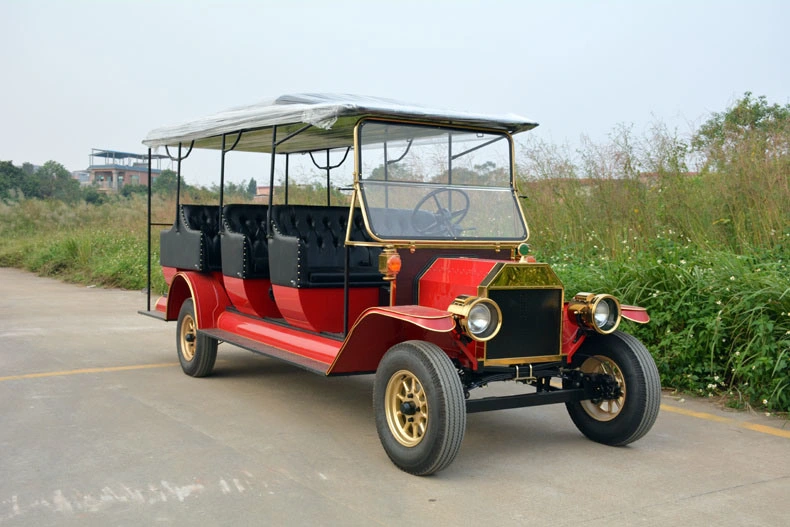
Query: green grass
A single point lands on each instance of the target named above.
(720, 322)
(102, 245)
(706, 250)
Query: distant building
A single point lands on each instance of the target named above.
(261, 195)
(110, 170)
(83, 176)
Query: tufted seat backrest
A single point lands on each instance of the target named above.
(245, 248)
(321, 233)
(249, 220)
(204, 220)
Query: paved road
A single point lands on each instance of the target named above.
(98, 426)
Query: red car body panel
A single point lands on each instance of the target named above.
(321, 309)
(572, 338)
(374, 329)
(169, 273)
(375, 332)
(449, 277)
(251, 296)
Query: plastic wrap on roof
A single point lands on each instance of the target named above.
(334, 117)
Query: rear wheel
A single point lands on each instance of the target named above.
(420, 408)
(625, 419)
(196, 353)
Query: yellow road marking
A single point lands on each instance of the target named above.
(86, 370)
(664, 407)
(763, 429)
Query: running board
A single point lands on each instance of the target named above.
(154, 314)
(306, 363)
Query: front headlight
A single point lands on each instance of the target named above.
(480, 318)
(598, 312)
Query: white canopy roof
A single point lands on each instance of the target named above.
(332, 116)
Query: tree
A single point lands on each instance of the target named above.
(252, 188)
(93, 196)
(394, 172)
(133, 188)
(57, 183)
(28, 168)
(165, 183)
(14, 179)
(750, 123)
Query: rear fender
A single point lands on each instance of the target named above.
(380, 328)
(206, 292)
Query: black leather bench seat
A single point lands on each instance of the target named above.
(193, 241)
(308, 248)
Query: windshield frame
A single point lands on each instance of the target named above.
(358, 197)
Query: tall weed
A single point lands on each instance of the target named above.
(706, 251)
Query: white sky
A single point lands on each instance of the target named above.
(76, 75)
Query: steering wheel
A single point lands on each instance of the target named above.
(443, 220)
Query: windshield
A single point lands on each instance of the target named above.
(433, 183)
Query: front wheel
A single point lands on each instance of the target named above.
(420, 408)
(623, 420)
(196, 353)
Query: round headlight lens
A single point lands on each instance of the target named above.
(479, 319)
(606, 314)
(602, 312)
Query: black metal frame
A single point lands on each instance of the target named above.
(328, 169)
(178, 173)
(450, 129)
(150, 223)
(577, 386)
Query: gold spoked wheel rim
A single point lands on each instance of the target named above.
(604, 409)
(406, 407)
(188, 337)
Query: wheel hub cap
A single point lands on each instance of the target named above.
(604, 409)
(406, 408)
(188, 337)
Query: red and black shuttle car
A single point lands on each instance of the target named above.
(420, 274)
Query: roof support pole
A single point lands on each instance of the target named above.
(386, 166)
(328, 195)
(222, 175)
(148, 286)
(222, 180)
(450, 169)
(269, 231)
(271, 189)
(178, 184)
(178, 174)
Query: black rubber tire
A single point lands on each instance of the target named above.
(204, 355)
(446, 407)
(642, 390)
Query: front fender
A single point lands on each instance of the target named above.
(380, 328)
(573, 336)
(635, 314)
